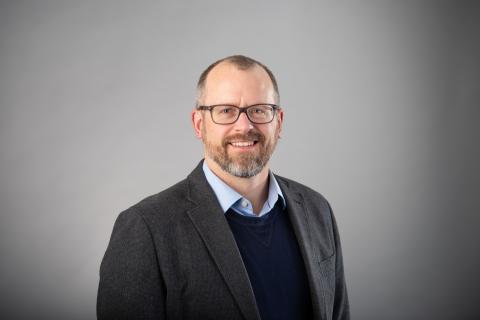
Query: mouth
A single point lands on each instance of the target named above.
(243, 144)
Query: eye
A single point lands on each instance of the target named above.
(258, 110)
(225, 110)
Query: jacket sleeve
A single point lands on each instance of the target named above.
(341, 309)
(131, 285)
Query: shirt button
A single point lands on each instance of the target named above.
(244, 203)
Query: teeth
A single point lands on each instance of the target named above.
(242, 144)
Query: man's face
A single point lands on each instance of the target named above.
(242, 148)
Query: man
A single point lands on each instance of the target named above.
(232, 240)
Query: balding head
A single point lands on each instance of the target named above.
(241, 63)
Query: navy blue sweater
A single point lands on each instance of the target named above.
(274, 264)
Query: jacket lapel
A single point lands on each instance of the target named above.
(299, 218)
(211, 224)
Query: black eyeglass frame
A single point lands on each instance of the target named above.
(244, 109)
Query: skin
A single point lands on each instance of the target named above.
(229, 85)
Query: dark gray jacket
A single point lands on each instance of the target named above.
(173, 256)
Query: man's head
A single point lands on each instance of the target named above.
(241, 148)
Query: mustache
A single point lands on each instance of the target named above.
(251, 135)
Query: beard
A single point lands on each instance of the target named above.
(242, 164)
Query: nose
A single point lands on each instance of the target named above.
(243, 124)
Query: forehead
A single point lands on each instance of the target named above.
(226, 83)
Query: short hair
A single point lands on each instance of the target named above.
(242, 63)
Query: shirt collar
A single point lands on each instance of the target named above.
(228, 197)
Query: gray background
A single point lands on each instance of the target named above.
(381, 105)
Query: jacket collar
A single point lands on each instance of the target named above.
(210, 222)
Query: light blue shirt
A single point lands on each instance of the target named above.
(230, 198)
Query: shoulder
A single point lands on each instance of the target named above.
(307, 193)
(172, 197)
(160, 208)
(316, 208)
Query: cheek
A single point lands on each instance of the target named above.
(213, 133)
(272, 134)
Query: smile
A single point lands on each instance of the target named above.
(243, 143)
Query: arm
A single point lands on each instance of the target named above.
(130, 285)
(341, 310)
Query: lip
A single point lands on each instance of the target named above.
(243, 145)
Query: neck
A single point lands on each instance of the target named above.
(255, 188)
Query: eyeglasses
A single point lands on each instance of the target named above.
(228, 114)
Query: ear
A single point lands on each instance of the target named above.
(197, 119)
(279, 122)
